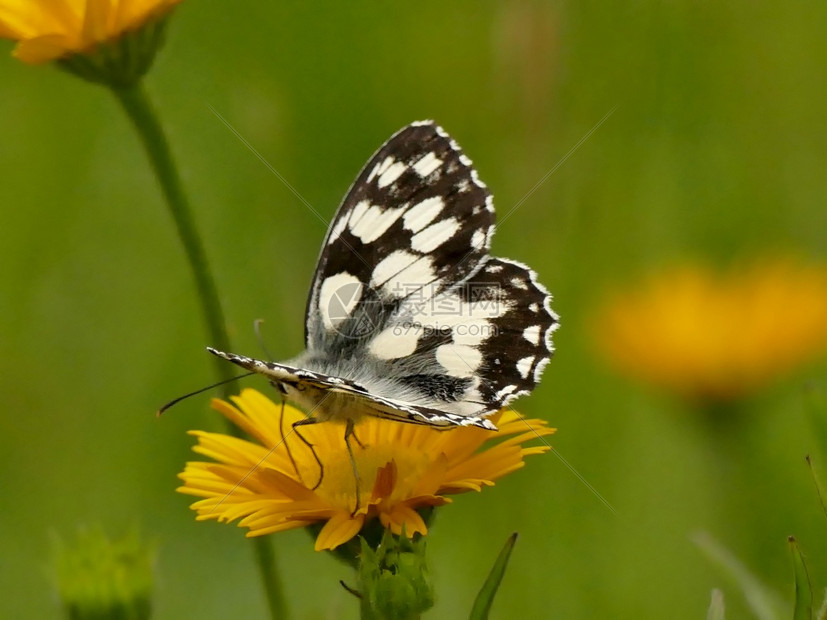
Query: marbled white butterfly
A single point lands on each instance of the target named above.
(409, 318)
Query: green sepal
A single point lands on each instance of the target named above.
(121, 62)
(394, 580)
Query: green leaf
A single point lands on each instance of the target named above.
(482, 605)
(803, 590)
(765, 603)
(716, 606)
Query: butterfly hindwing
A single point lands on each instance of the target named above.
(475, 346)
(518, 345)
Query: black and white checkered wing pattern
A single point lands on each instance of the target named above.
(514, 341)
(409, 318)
(474, 346)
(417, 214)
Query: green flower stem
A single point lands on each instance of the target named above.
(138, 108)
(140, 111)
(268, 568)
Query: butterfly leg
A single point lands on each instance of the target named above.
(296, 426)
(348, 434)
(286, 444)
(353, 434)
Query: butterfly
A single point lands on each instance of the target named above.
(409, 318)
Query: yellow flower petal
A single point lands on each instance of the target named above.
(339, 529)
(272, 484)
(42, 49)
(49, 29)
(403, 516)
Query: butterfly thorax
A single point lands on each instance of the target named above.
(326, 405)
(364, 375)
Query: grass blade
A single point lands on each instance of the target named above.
(764, 602)
(803, 590)
(716, 606)
(484, 600)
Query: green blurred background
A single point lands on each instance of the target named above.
(717, 150)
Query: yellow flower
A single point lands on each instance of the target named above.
(401, 468)
(717, 337)
(50, 29)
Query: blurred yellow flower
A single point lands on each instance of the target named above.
(717, 336)
(50, 29)
(401, 468)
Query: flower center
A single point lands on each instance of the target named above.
(339, 482)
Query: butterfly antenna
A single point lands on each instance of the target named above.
(175, 401)
(257, 329)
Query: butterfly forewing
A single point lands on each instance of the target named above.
(416, 217)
